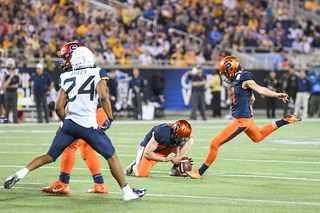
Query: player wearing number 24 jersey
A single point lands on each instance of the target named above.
(82, 87)
(242, 86)
(68, 158)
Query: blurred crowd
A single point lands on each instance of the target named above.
(38, 28)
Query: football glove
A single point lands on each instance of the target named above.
(106, 125)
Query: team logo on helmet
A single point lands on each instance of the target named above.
(177, 127)
(73, 47)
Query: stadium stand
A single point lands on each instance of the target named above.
(33, 31)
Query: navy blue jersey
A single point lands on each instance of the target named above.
(136, 82)
(240, 98)
(41, 83)
(14, 80)
(195, 78)
(162, 134)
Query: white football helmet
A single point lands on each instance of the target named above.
(82, 57)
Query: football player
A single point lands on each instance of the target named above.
(88, 154)
(82, 87)
(242, 86)
(164, 143)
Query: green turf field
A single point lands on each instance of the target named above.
(279, 174)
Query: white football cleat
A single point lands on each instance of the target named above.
(128, 170)
(175, 171)
(13, 179)
(135, 194)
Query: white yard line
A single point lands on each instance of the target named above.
(198, 158)
(136, 144)
(200, 197)
(213, 121)
(156, 174)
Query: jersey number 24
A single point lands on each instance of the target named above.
(81, 90)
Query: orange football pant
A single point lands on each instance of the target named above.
(237, 126)
(88, 154)
(146, 164)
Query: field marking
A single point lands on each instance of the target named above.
(154, 174)
(305, 172)
(268, 161)
(271, 149)
(195, 147)
(245, 176)
(213, 121)
(199, 197)
(198, 158)
(26, 137)
(27, 131)
(25, 144)
(268, 177)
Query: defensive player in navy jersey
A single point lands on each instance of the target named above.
(242, 86)
(82, 87)
(68, 158)
(164, 143)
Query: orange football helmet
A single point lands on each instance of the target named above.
(65, 54)
(228, 67)
(181, 130)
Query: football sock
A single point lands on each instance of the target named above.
(93, 163)
(23, 172)
(98, 178)
(68, 159)
(281, 122)
(203, 169)
(126, 189)
(64, 177)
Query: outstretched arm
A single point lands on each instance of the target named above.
(264, 91)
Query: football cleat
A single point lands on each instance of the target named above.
(174, 171)
(128, 170)
(291, 118)
(11, 180)
(58, 187)
(135, 194)
(99, 188)
(194, 174)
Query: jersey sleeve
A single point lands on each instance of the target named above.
(103, 74)
(246, 76)
(157, 134)
(163, 134)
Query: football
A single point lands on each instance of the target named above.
(185, 165)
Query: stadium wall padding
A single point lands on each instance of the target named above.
(177, 89)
